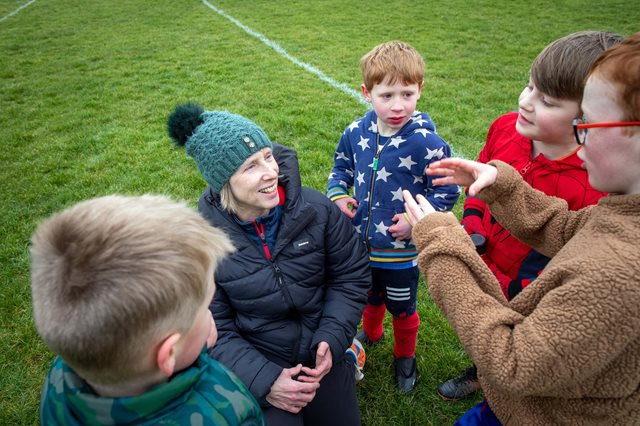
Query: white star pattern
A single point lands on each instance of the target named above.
(349, 172)
(406, 162)
(397, 194)
(343, 184)
(358, 230)
(364, 143)
(396, 141)
(423, 132)
(398, 244)
(354, 125)
(383, 174)
(381, 228)
(360, 178)
(373, 128)
(418, 119)
(438, 153)
(341, 156)
(417, 179)
(439, 195)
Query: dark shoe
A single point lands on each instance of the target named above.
(406, 373)
(364, 339)
(461, 386)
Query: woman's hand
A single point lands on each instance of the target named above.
(416, 208)
(324, 362)
(289, 394)
(476, 176)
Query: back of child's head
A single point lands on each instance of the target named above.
(561, 68)
(112, 275)
(620, 65)
(391, 62)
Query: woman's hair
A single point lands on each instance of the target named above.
(620, 65)
(391, 62)
(113, 275)
(227, 199)
(561, 68)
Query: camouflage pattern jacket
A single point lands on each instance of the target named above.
(205, 394)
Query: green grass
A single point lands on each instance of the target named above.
(85, 88)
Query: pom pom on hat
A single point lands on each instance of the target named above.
(218, 141)
(183, 122)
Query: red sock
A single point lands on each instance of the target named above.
(372, 321)
(405, 332)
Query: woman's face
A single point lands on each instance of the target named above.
(254, 185)
(611, 155)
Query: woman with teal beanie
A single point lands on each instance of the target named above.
(289, 299)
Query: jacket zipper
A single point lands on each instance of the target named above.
(260, 230)
(373, 182)
(280, 281)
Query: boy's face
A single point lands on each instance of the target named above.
(202, 331)
(611, 155)
(545, 118)
(394, 104)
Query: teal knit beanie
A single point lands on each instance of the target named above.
(218, 141)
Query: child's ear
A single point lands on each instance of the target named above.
(166, 356)
(365, 93)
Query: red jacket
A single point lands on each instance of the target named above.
(515, 264)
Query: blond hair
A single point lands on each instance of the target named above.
(391, 62)
(560, 70)
(111, 275)
(227, 199)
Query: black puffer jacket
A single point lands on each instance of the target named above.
(271, 314)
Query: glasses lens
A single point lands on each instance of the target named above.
(582, 135)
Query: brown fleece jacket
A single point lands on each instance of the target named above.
(567, 349)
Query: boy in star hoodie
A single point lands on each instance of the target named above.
(378, 156)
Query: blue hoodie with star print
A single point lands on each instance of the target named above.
(377, 169)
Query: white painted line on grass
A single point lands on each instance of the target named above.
(275, 46)
(17, 10)
(313, 70)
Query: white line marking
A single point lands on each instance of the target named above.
(313, 70)
(275, 46)
(17, 10)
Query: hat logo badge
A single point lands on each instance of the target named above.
(249, 142)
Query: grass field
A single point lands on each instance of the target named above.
(85, 88)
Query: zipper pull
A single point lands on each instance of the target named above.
(375, 164)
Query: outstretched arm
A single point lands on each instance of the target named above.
(476, 176)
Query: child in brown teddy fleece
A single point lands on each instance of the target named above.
(566, 350)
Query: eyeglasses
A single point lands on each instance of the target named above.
(580, 127)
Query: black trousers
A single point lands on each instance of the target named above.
(335, 403)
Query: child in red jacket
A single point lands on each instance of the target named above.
(537, 140)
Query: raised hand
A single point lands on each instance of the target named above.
(416, 208)
(476, 176)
